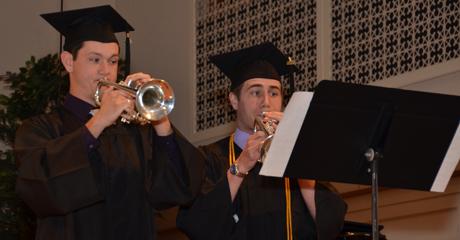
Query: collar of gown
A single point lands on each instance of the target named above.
(241, 138)
(78, 107)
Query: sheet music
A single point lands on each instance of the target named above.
(448, 164)
(286, 135)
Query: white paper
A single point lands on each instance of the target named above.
(286, 135)
(448, 164)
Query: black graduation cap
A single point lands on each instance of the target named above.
(260, 61)
(89, 24)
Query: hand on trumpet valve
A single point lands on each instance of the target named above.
(267, 122)
(129, 114)
(251, 152)
(113, 103)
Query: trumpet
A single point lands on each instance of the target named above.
(268, 128)
(153, 99)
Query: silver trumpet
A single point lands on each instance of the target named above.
(268, 127)
(153, 99)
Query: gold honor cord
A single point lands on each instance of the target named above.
(231, 150)
(231, 159)
(288, 209)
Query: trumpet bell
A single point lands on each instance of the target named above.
(155, 99)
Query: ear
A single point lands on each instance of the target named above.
(67, 61)
(233, 100)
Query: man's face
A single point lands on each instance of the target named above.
(257, 95)
(94, 61)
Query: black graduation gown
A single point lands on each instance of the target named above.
(260, 206)
(108, 192)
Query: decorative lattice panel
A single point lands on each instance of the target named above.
(227, 25)
(377, 39)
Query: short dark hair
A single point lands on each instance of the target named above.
(74, 50)
(237, 90)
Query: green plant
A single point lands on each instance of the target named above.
(39, 87)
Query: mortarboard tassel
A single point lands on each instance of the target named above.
(127, 54)
(291, 65)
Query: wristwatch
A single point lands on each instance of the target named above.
(235, 171)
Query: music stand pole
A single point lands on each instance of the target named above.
(374, 157)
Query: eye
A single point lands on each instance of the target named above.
(274, 93)
(113, 61)
(255, 92)
(95, 59)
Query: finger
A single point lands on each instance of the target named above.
(106, 88)
(125, 94)
(138, 77)
(253, 149)
(107, 94)
(277, 116)
(257, 136)
(255, 139)
(131, 104)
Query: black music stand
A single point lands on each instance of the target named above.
(358, 231)
(380, 136)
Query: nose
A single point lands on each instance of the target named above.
(103, 68)
(265, 101)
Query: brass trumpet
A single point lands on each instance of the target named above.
(153, 99)
(268, 128)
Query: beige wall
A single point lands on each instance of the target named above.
(163, 45)
(25, 33)
(408, 214)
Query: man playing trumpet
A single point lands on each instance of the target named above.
(90, 176)
(236, 202)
